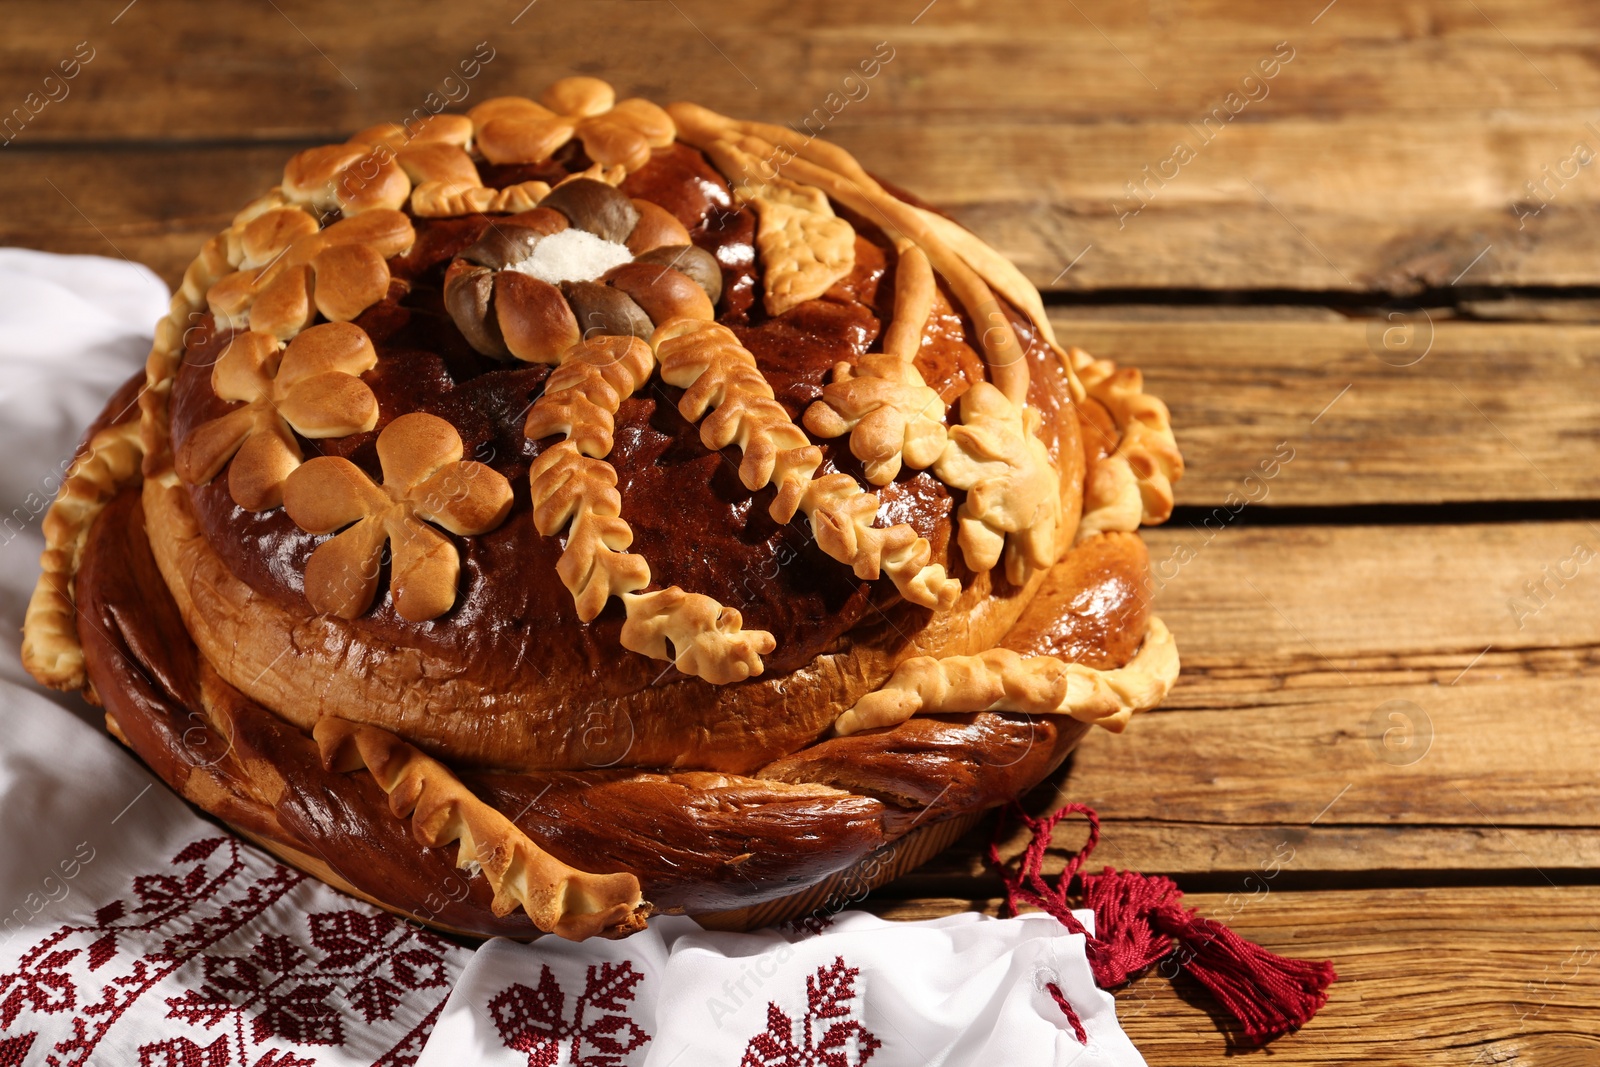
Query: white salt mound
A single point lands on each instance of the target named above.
(573, 255)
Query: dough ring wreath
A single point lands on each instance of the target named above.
(541, 518)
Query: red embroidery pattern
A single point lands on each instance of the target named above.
(535, 1020)
(275, 990)
(829, 995)
(13, 1050)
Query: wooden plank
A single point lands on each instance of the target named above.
(1094, 62)
(1251, 215)
(1265, 615)
(1258, 207)
(152, 207)
(1489, 411)
(1426, 976)
(1040, 164)
(1388, 410)
(1237, 857)
(1481, 755)
(1279, 743)
(1309, 653)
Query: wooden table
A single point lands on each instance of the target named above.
(1347, 265)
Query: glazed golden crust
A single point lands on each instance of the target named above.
(728, 841)
(428, 419)
(305, 665)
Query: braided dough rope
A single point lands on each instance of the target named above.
(749, 151)
(50, 648)
(575, 489)
(719, 375)
(118, 457)
(1002, 680)
(1133, 485)
(558, 898)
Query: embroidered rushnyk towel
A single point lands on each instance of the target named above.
(962, 990)
(133, 931)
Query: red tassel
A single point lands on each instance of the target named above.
(1140, 920)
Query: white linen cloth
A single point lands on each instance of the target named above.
(132, 931)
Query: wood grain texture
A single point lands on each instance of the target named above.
(164, 68)
(155, 207)
(1304, 182)
(1437, 976)
(1265, 614)
(1398, 408)
(1235, 857)
(1354, 699)
(1246, 216)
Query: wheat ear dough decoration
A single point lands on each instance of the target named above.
(574, 489)
(1013, 497)
(1002, 680)
(723, 386)
(558, 898)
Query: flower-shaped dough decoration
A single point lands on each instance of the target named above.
(892, 418)
(1013, 490)
(504, 311)
(514, 129)
(309, 388)
(289, 270)
(425, 481)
